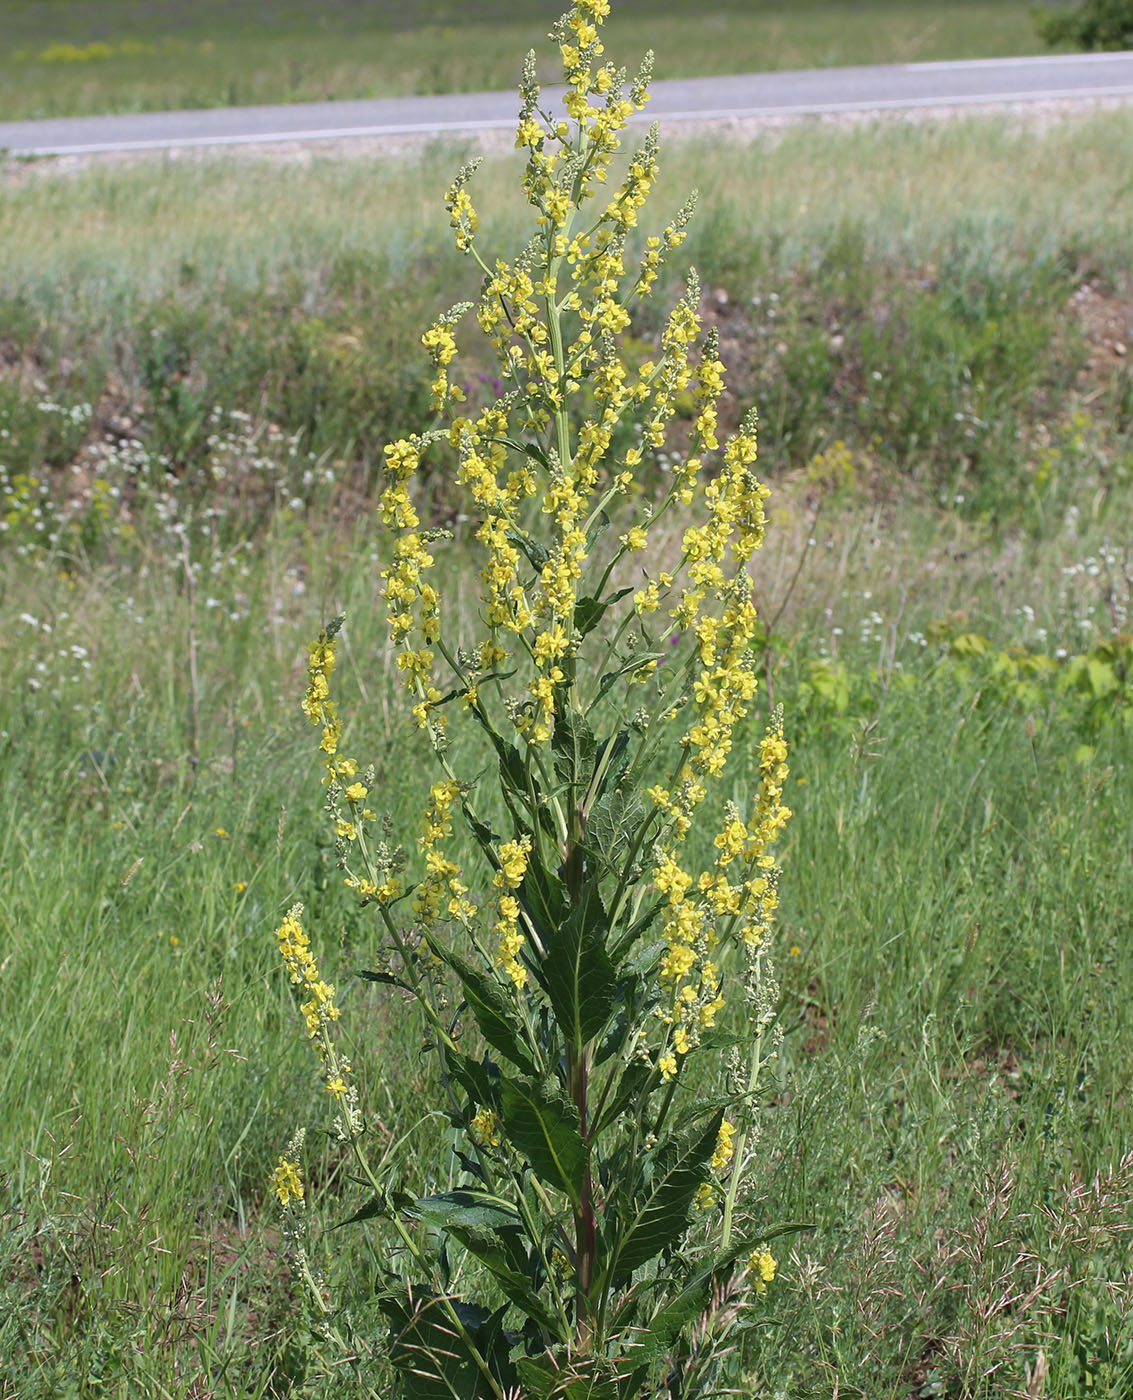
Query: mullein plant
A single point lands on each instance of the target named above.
(601, 1003)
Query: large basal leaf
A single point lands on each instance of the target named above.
(659, 1210)
(430, 1357)
(543, 1380)
(489, 1003)
(580, 979)
(543, 1126)
(499, 1256)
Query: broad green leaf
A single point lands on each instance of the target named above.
(542, 896)
(475, 1077)
(490, 1005)
(579, 977)
(543, 1380)
(613, 819)
(667, 1324)
(430, 1357)
(494, 1253)
(588, 612)
(659, 1211)
(376, 1206)
(543, 1125)
(573, 747)
(478, 1209)
(536, 553)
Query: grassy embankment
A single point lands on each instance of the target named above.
(955, 941)
(60, 58)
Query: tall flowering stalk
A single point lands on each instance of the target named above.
(603, 972)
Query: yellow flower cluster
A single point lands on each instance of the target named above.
(440, 342)
(738, 896)
(317, 705)
(485, 1128)
(295, 950)
(458, 202)
(725, 1146)
(441, 893)
(318, 1011)
(509, 876)
(412, 604)
(286, 1182)
(762, 1264)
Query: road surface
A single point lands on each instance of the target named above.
(824, 91)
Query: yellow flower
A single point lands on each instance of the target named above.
(762, 1263)
(725, 1147)
(356, 792)
(286, 1182)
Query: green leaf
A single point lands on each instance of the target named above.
(1102, 677)
(387, 977)
(612, 821)
(490, 1005)
(667, 1324)
(428, 1353)
(580, 979)
(543, 1380)
(588, 612)
(536, 554)
(659, 1213)
(634, 663)
(501, 1261)
(542, 1124)
(542, 896)
(601, 524)
(475, 1077)
(477, 1209)
(573, 747)
(375, 1206)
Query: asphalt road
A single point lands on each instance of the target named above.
(975, 82)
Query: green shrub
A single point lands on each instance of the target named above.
(1094, 24)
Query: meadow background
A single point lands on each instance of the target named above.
(72, 57)
(199, 365)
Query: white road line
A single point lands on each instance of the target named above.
(505, 123)
(951, 64)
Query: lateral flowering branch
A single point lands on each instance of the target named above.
(593, 902)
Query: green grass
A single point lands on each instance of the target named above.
(167, 55)
(954, 941)
(918, 307)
